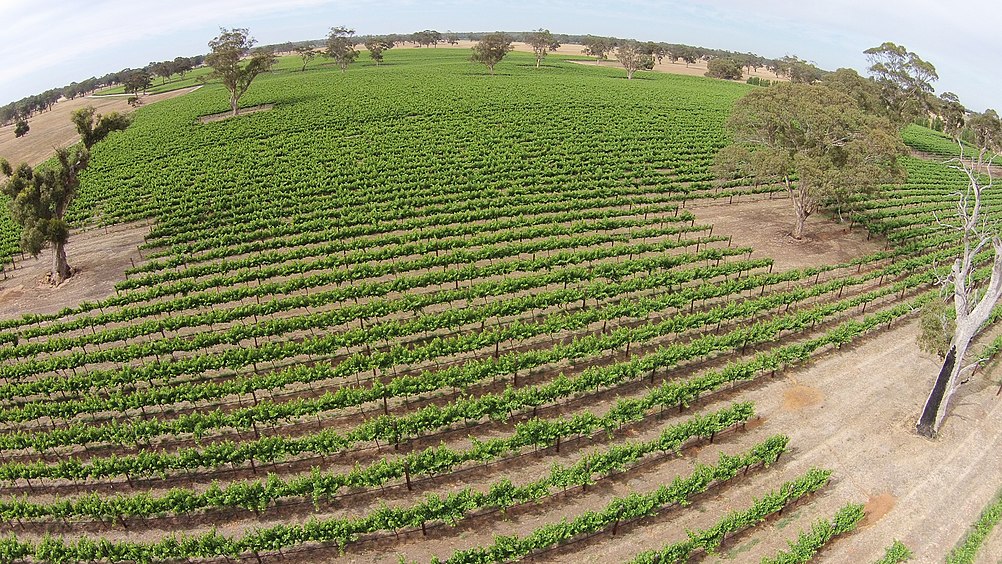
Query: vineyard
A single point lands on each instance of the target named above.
(417, 312)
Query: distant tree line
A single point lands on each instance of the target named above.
(135, 80)
(139, 80)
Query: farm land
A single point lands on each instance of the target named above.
(417, 312)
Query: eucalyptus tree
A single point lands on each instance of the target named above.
(341, 47)
(491, 49)
(542, 42)
(228, 51)
(39, 198)
(631, 55)
(817, 141)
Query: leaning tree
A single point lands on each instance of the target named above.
(229, 48)
(38, 202)
(818, 141)
(973, 299)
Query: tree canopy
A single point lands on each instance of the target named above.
(375, 46)
(307, 54)
(630, 54)
(541, 42)
(817, 141)
(728, 69)
(598, 47)
(426, 37)
(905, 81)
(95, 127)
(952, 112)
(38, 202)
(228, 48)
(341, 47)
(137, 80)
(491, 49)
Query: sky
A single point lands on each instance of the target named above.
(50, 44)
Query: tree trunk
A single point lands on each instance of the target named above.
(233, 103)
(798, 227)
(537, 62)
(60, 268)
(939, 398)
(629, 74)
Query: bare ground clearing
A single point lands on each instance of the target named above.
(765, 225)
(101, 257)
(860, 424)
(52, 129)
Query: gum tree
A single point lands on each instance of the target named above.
(229, 48)
(541, 42)
(39, 199)
(973, 300)
(631, 55)
(341, 47)
(818, 141)
(307, 54)
(905, 81)
(491, 49)
(95, 127)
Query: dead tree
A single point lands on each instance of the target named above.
(972, 302)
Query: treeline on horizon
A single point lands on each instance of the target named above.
(31, 105)
(141, 78)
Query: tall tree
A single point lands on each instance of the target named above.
(818, 136)
(95, 127)
(491, 49)
(987, 130)
(341, 46)
(597, 47)
(307, 54)
(376, 46)
(972, 302)
(541, 42)
(905, 81)
(952, 112)
(228, 48)
(630, 54)
(38, 202)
